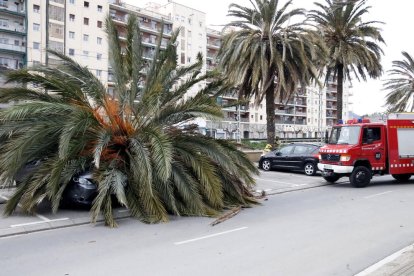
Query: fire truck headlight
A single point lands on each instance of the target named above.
(345, 158)
(320, 157)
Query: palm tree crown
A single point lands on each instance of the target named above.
(401, 85)
(352, 44)
(266, 55)
(141, 147)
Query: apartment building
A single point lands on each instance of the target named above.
(151, 23)
(76, 28)
(72, 27)
(13, 36)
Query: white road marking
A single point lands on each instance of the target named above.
(42, 217)
(45, 219)
(299, 185)
(210, 236)
(123, 211)
(275, 181)
(37, 222)
(383, 262)
(371, 196)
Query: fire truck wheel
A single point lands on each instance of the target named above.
(401, 177)
(360, 177)
(309, 169)
(331, 178)
(266, 165)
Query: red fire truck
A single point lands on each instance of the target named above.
(360, 149)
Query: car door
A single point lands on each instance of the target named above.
(299, 154)
(282, 156)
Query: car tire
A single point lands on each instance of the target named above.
(266, 165)
(332, 178)
(401, 177)
(360, 177)
(309, 169)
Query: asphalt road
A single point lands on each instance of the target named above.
(326, 230)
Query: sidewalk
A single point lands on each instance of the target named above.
(400, 263)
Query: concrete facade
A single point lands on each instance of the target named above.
(77, 28)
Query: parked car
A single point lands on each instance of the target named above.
(79, 192)
(295, 156)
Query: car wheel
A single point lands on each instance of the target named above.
(401, 177)
(360, 177)
(266, 165)
(332, 178)
(309, 169)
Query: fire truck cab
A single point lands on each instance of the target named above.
(360, 149)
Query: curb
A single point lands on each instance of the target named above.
(50, 225)
(400, 263)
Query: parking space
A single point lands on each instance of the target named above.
(44, 218)
(273, 182)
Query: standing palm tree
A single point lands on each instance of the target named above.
(146, 153)
(401, 85)
(265, 55)
(353, 44)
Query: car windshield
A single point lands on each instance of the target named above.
(345, 135)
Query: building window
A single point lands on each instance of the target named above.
(188, 59)
(85, 21)
(188, 33)
(182, 58)
(86, 54)
(72, 1)
(36, 45)
(36, 8)
(98, 56)
(99, 40)
(72, 35)
(71, 52)
(99, 24)
(56, 13)
(189, 20)
(57, 46)
(36, 27)
(71, 17)
(85, 37)
(98, 73)
(200, 23)
(56, 30)
(86, 4)
(99, 8)
(4, 23)
(261, 117)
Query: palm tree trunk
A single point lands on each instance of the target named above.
(339, 91)
(270, 114)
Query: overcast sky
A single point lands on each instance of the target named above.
(397, 32)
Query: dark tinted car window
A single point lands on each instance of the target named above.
(314, 150)
(301, 150)
(286, 150)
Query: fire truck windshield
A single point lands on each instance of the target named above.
(345, 135)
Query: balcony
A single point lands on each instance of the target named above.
(13, 9)
(330, 115)
(213, 44)
(14, 29)
(291, 122)
(11, 48)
